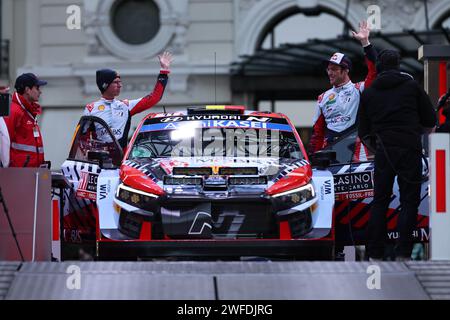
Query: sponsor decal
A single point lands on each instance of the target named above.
(340, 119)
(420, 234)
(176, 117)
(215, 170)
(214, 117)
(200, 222)
(171, 119)
(72, 235)
(350, 186)
(87, 187)
(337, 57)
(229, 223)
(327, 186)
(331, 99)
(116, 132)
(258, 119)
(101, 108)
(105, 189)
(90, 107)
(227, 124)
(325, 189)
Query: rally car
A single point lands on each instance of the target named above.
(216, 181)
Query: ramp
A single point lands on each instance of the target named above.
(216, 281)
(7, 273)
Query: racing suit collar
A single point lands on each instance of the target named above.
(31, 107)
(108, 100)
(344, 86)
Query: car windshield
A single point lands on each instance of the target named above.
(207, 138)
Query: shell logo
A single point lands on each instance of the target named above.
(101, 108)
(331, 97)
(215, 170)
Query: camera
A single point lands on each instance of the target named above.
(4, 104)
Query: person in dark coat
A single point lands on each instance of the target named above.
(395, 111)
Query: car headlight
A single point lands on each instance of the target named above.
(296, 196)
(134, 197)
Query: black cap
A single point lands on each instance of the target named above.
(339, 59)
(105, 77)
(28, 80)
(388, 60)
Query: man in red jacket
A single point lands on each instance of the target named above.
(26, 148)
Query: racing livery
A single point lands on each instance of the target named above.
(222, 183)
(216, 181)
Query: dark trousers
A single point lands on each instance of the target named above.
(408, 166)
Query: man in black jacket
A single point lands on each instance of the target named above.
(395, 110)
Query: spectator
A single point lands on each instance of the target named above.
(26, 149)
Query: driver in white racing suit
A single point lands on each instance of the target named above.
(337, 108)
(117, 113)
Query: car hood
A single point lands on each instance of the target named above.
(281, 174)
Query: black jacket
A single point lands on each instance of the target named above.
(396, 109)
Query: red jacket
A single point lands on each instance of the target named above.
(26, 149)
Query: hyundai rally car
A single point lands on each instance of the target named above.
(212, 181)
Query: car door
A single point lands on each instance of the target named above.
(353, 172)
(87, 156)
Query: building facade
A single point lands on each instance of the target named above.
(65, 41)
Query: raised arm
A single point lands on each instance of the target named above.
(139, 105)
(369, 52)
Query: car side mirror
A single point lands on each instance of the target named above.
(322, 159)
(103, 158)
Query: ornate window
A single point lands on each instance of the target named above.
(135, 29)
(135, 21)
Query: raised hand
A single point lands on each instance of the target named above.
(363, 33)
(165, 60)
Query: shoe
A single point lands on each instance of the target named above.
(339, 256)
